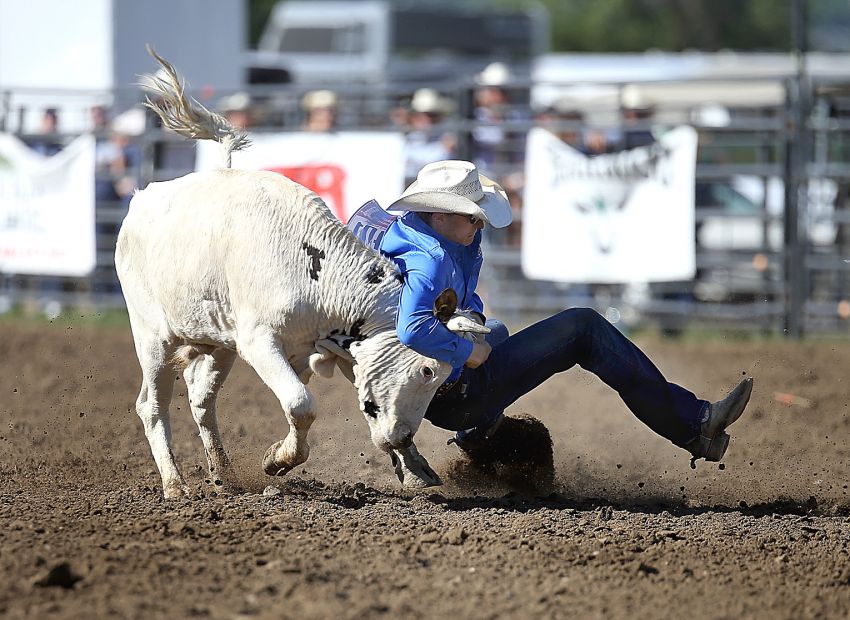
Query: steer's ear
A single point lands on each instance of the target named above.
(330, 352)
(445, 305)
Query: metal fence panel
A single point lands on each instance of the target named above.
(746, 285)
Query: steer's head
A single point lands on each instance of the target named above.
(394, 385)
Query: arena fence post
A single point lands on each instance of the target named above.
(796, 158)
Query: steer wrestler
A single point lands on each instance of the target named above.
(436, 245)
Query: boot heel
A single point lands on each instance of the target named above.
(717, 447)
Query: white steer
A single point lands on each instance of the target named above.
(227, 262)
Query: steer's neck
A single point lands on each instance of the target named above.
(367, 301)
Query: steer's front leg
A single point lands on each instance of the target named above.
(412, 469)
(262, 350)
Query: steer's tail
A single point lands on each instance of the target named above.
(184, 115)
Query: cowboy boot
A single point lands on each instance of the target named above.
(713, 440)
(473, 439)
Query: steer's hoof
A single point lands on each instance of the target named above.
(421, 482)
(175, 491)
(271, 465)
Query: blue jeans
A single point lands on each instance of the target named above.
(576, 336)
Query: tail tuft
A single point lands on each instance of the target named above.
(185, 115)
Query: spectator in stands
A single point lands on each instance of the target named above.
(48, 142)
(636, 127)
(237, 110)
(400, 116)
(637, 117)
(99, 119)
(436, 245)
(600, 140)
(320, 107)
(104, 155)
(567, 124)
(491, 142)
(117, 170)
(563, 120)
(427, 141)
(513, 184)
(123, 157)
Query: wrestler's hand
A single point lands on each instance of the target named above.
(479, 355)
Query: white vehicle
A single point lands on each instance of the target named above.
(744, 216)
(376, 41)
(747, 213)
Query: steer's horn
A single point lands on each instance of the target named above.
(460, 323)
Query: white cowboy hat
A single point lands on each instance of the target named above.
(317, 99)
(457, 187)
(237, 102)
(494, 74)
(429, 101)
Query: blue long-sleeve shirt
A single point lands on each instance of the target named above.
(430, 263)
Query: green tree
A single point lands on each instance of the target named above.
(258, 14)
(672, 25)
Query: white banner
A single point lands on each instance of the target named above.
(345, 168)
(47, 209)
(619, 218)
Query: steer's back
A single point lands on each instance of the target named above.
(201, 253)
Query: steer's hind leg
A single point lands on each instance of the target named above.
(262, 350)
(152, 408)
(204, 377)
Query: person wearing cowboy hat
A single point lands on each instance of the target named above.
(320, 107)
(437, 246)
(427, 141)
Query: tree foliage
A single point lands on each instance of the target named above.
(258, 14)
(670, 25)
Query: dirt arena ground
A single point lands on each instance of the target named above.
(628, 530)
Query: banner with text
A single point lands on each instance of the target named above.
(47, 209)
(369, 223)
(618, 218)
(345, 168)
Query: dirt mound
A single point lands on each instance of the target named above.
(518, 456)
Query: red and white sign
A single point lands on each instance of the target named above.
(346, 169)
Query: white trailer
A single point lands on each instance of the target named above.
(371, 41)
